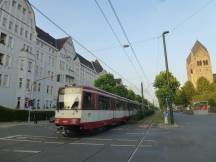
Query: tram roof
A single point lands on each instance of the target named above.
(102, 91)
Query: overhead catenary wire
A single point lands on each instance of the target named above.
(117, 38)
(81, 45)
(191, 16)
(127, 38)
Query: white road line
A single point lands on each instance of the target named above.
(5, 139)
(91, 144)
(127, 140)
(40, 136)
(12, 136)
(135, 133)
(113, 145)
(54, 142)
(21, 151)
(99, 139)
(146, 146)
(149, 140)
(26, 151)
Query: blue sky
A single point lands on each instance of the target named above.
(142, 19)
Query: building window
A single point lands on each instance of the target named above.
(62, 65)
(47, 90)
(205, 62)
(7, 60)
(26, 34)
(191, 71)
(29, 66)
(51, 90)
(36, 70)
(52, 75)
(10, 25)
(49, 60)
(21, 65)
(5, 81)
(20, 82)
(35, 86)
(21, 31)
(24, 11)
(30, 37)
(1, 58)
(58, 78)
(28, 84)
(4, 22)
(48, 74)
(3, 38)
(39, 86)
(0, 80)
(13, 3)
(16, 28)
(10, 42)
(19, 6)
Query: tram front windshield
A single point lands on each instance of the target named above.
(69, 101)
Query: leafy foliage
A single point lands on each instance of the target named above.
(108, 83)
(164, 94)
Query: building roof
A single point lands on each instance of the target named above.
(60, 42)
(197, 46)
(57, 43)
(97, 66)
(84, 61)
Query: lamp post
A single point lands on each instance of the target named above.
(167, 75)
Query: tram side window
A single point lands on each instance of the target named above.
(104, 103)
(88, 103)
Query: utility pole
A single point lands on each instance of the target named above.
(167, 74)
(142, 95)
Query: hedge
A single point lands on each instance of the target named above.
(7, 115)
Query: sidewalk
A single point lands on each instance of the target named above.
(13, 124)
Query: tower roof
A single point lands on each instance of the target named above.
(197, 46)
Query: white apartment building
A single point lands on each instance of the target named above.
(33, 64)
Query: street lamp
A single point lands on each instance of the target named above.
(167, 74)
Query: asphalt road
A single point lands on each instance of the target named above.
(193, 141)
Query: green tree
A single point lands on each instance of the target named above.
(188, 91)
(131, 95)
(164, 94)
(203, 85)
(138, 98)
(120, 90)
(106, 82)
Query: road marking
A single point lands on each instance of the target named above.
(26, 151)
(54, 142)
(136, 133)
(113, 145)
(140, 143)
(149, 140)
(146, 146)
(12, 136)
(127, 140)
(99, 139)
(5, 139)
(92, 144)
(22, 151)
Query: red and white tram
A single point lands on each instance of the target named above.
(84, 108)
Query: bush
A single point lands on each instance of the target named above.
(8, 115)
